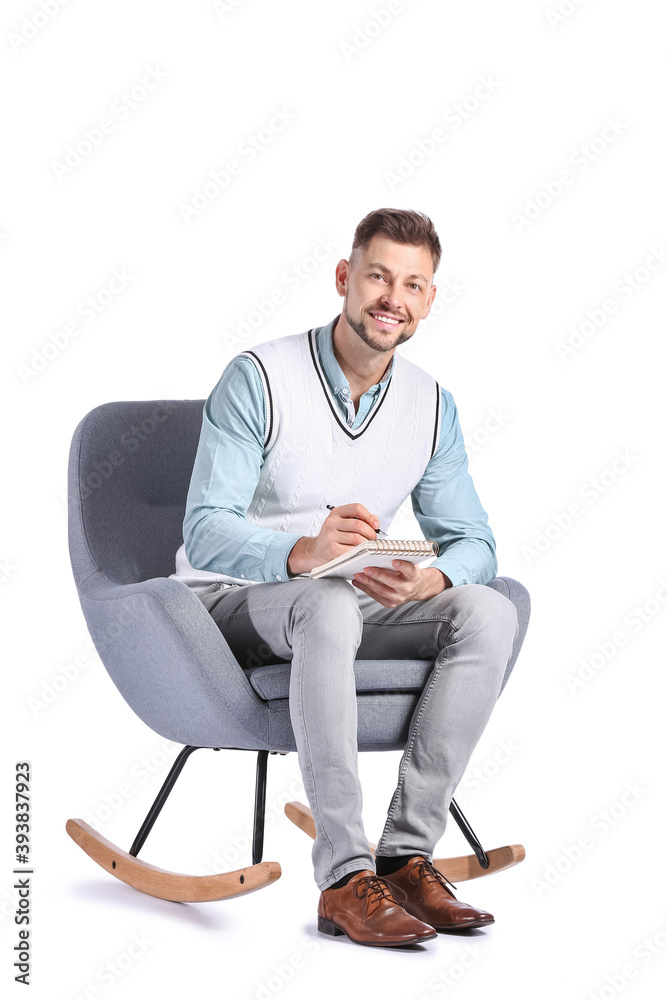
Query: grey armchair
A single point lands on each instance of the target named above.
(129, 472)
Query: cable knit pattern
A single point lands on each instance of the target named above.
(307, 454)
(391, 462)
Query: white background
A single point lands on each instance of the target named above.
(360, 97)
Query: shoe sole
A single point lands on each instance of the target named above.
(329, 927)
(464, 927)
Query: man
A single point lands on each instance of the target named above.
(335, 418)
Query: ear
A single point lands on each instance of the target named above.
(342, 276)
(429, 301)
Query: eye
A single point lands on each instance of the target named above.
(417, 286)
(376, 275)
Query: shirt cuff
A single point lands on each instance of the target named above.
(450, 569)
(275, 566)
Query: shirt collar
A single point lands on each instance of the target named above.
(333, 371)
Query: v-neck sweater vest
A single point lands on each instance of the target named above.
(313, 458)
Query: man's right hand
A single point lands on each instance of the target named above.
(346, 526)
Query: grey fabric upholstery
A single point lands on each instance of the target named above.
(129, 472)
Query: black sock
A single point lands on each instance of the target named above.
(345, 879)
(388, 865)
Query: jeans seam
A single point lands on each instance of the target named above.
(416, 621)
(408, 752)
(316, 804)
(274, 607)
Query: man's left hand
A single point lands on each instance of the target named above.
(404, 582)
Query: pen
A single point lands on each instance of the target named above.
(378, 531)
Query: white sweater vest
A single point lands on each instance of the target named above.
(313, 458)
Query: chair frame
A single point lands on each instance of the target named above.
(196, 888)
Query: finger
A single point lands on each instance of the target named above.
(383, 574)
(406, 568)
(375, 587)
(356, 527)
(350, 536)
(357, 510)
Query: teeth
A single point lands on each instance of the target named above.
(385, 319)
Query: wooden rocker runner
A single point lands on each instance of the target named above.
(171, 885)
(459, 869)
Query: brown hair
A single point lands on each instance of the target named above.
(413, 228)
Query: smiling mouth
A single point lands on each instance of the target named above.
(386, 321)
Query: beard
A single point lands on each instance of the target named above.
(377, 341)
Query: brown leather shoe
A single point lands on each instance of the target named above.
(367, 910)
(429, 899)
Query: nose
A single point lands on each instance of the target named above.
(391, 299)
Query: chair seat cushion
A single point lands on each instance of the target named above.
(271, 681)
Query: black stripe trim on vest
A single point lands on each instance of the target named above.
(268, 387)
(437, 418)
(376, 408)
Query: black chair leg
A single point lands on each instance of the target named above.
(260, 809)
(170, 781)
(469, 834)
(260, 806)
(160, 799)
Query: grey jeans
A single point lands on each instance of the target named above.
(321, 627)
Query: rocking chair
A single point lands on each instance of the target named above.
(129, 471)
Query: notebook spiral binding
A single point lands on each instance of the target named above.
(398, 548)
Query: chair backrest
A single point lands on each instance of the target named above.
(130, 465)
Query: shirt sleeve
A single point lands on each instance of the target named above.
(449, 511)
(230, 454)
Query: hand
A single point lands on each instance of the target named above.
(346, 526)
(406, 582)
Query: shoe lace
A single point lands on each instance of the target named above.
(375, 887)
(426, 870)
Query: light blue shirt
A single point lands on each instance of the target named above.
(230, 453)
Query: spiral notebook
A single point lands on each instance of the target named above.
(375, 552)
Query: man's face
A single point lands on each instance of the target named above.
(387, 291)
